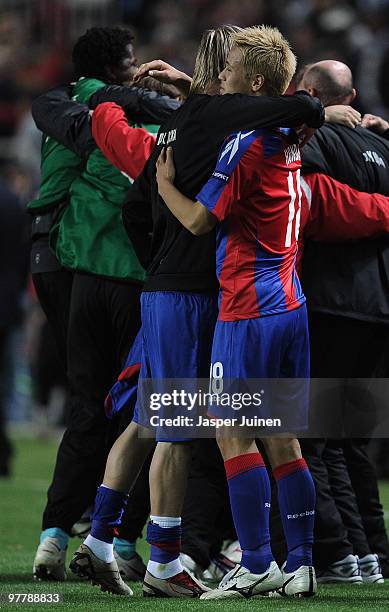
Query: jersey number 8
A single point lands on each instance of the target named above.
(216, 377)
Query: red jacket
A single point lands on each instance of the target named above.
(126, 147)
(334, 212)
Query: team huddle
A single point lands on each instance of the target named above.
(190, 238)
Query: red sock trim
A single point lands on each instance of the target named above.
(289, 468)
(170, 547)
(242, 463)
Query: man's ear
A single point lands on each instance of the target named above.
(353, 95)
(313, 91)
(257, 83)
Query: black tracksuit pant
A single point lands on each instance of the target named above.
(349, 516)
(364, 481)
(54, 290)
(206, 514)
(103, 319)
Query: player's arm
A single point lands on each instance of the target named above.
(337, 212)
(193, 215)
(139, 104)
(126, 147)
(56, 115)
(234, 112)
(68, 122)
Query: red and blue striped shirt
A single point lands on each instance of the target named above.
(255, 194)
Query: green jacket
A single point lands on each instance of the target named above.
(59, 168)
(90, 235)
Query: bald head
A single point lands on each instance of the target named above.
(329, 80)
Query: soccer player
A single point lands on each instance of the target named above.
(100, 289)
(179, 295)
(254, 196)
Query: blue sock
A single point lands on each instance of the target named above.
(165, 543)
(296, 499)
(124, 548)
(250, 497)
(107, 513)
(56, 532)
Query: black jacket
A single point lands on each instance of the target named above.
(179, 260)
(56, 115)
(350, 279)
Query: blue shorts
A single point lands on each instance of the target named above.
(177, 331)
(269, 347)
(123, 393)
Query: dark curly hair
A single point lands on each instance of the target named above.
(99, 48)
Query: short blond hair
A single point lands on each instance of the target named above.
(211, 56)
(265, 51)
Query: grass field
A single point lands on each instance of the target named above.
(21, 502)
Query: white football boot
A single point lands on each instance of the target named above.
(49, 562)
(346, 570)
(300, 583)
(232, 551)
(240, 583)
(224, 562)
(371, 569)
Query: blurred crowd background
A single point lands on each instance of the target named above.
(36, 38)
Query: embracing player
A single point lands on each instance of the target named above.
(254, 196)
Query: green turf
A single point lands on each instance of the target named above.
(21, 502)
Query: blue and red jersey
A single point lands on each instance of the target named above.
(255, 194)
